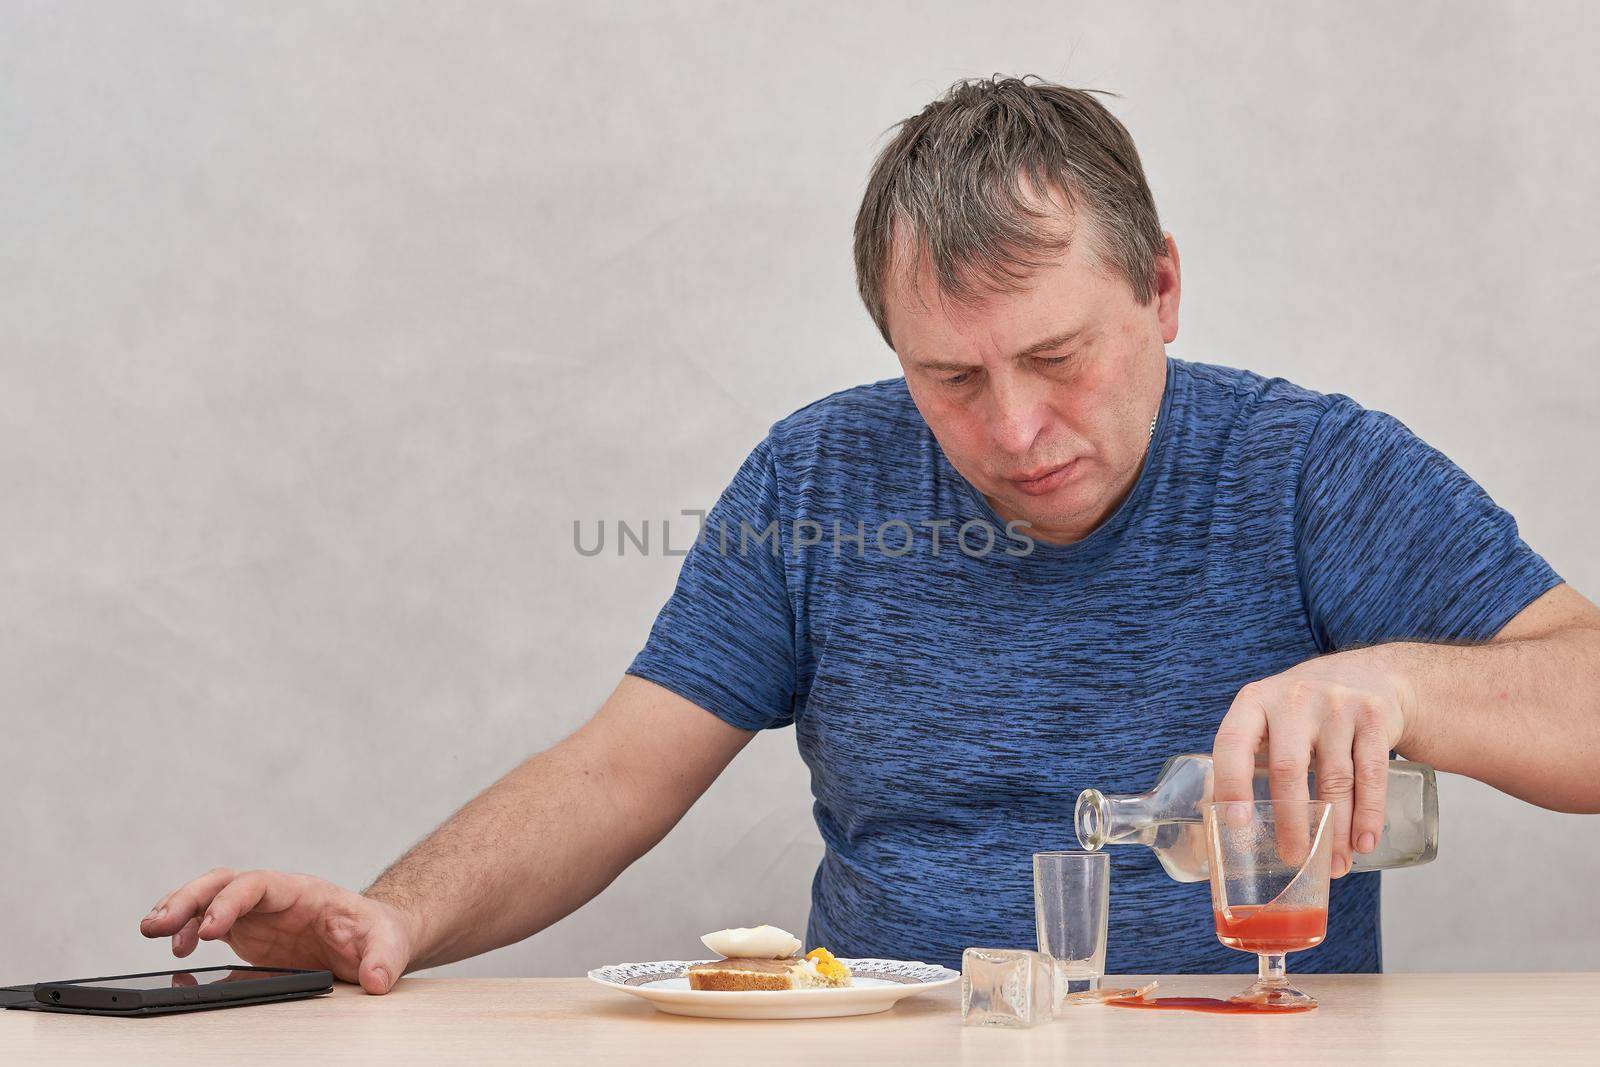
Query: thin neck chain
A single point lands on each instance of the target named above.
(1151, 435)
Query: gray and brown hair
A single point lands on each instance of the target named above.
(991, 181)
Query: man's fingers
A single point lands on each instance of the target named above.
(1233, 753)
(1372, 778)
(178, 907)
(381, 964)
(1291, 735)
(235, 899)
(184, 941)
(1336, 784)
(1290, 739)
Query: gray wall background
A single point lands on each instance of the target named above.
(320, 323)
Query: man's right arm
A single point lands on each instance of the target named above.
(526, 852)
(549, 836)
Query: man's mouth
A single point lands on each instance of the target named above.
(1045, 479)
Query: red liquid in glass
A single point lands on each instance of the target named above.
(1272, 930)
(1211, 1004)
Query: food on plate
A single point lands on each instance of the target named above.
(818, 969)
(755, 942)
(763, 958)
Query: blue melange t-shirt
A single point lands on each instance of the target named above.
(952, 702)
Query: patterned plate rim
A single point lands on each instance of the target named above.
(913, 973)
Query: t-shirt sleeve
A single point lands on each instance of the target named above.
(725, 639)
(1396, 543)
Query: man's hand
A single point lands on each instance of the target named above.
(288, 920)
(525, 852)
(1338, 715)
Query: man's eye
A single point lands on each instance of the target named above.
(960, 379)
(1053, 361)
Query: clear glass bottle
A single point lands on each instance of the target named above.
(1168, 819)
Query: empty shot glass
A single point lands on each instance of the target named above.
(1006, 987)
(1071, 897)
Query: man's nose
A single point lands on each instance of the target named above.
(1019, 414)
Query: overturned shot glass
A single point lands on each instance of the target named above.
(1071, 896)
(1010, 987)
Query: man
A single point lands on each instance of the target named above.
(1047, 558)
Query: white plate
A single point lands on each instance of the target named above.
(876, 986)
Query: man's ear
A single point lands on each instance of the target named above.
(1169, 285)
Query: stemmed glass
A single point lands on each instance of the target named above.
(1270, 861)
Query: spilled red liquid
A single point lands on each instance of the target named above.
(1211, 1004)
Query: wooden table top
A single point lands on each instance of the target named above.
(1410, 1018)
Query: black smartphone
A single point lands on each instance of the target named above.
(163, 991)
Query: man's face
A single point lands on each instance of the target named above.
(1042, 399)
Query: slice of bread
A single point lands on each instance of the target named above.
(741, 973)
(818, 970)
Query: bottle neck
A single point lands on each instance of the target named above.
(1102, 819)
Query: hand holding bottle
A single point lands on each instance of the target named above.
(1337, 716)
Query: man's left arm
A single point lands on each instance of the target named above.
(1448, 640)
(1519, 713)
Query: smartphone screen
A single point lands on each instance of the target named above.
(183, 979)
